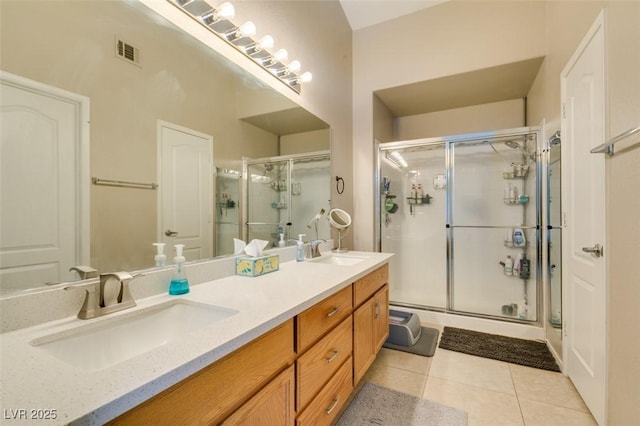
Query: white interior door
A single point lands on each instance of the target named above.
(583, 178)
(44, 183)
(185, 192)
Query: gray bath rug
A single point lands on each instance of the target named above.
(377, 405)
(530, 353)
(425, 346)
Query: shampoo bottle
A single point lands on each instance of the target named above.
(160, 258)
(525, 268)
(517, 265)
(508, 266)
(179, 283)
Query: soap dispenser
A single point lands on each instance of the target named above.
(282, 242)
(179, 283)
(160, 258)
(300, 248)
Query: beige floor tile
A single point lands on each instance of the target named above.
(396, 379)
(546, 386)
(471, 370)
(540, 414)
(484, 407)
(404, 360)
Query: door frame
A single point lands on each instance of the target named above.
(83, 158)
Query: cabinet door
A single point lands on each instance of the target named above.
(381, 317)
(272, 406)
(363, 343)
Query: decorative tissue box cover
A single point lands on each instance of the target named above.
(255, 266)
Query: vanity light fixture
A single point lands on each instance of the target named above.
(217, 19)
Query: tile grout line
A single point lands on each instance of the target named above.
(515, 390)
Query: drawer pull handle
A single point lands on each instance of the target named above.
(377, 310)
(332, 357)
(333, 405)
(333, 312)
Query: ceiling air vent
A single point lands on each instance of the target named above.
(127, 52)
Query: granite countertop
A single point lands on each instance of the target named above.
(36, 385)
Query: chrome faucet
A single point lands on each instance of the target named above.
(96, 305)
(315, 248)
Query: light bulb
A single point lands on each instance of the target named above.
(265, 42)
(225, 11)
(305, 77)
(280, 55)
(247, 29)
(293, 67)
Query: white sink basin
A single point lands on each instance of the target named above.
(110, 341)
(339, 259)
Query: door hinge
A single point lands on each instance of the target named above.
(564, 110)
(564, 218)
(564, 328)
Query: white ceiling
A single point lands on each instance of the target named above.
(364, 13)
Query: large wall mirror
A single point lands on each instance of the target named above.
(175, 93)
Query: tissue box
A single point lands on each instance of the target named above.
(256, 266)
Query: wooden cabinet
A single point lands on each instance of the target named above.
(216, 391)
(370, 319)
(273, 405)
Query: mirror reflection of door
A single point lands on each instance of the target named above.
(185, 193)
(41, 183)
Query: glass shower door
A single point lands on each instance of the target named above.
(310, 194)
(413, 202)
(268, 210)
(493, 227)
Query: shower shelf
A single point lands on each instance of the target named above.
(510, 245)
(424, 200)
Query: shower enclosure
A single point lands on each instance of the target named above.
(282, 195)
(463, 217)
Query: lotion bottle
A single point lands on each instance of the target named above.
(179, 283)
(160, 258)
(508, 266)
(300, 248)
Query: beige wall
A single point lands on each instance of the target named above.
(298, 143)
(451, 38)
(477, 118)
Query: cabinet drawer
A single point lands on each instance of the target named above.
(327, 405)
(321, 361)
(213, 393)
(366, 286)
(322, 317)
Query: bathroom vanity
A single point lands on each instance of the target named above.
(284, 348)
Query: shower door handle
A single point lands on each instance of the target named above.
(170, 233)
(596, 250)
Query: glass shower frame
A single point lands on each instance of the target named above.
(534, 229)
(285, 191)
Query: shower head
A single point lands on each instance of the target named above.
(555, 139)
(513, 144)
(268, 167)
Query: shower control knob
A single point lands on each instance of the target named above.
(596, 250)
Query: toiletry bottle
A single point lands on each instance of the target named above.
(523, 310)
(300, 248)
(517, 265)
(525, 268)
(508, 266)
(282, 242)
(414, 191)
(420, 193)
(519, 240)
(179, 283)
(160, 258)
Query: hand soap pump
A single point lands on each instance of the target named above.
(300, 248)
(179, 283)
(282, 242)
(160, 258)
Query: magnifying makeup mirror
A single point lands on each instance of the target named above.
(341, 221)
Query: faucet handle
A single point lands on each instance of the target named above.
(85, 271)
(123, 278)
